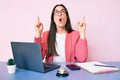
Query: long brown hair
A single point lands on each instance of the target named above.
(52, 33)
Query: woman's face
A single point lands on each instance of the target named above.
(60, 17)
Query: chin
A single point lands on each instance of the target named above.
(61, 25)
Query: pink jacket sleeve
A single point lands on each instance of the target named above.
(81, 50)
(43, 43)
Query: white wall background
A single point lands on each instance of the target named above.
(17, 19)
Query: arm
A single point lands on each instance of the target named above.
(38, 38)
(81, 50)
(43, 49)
(43, 43)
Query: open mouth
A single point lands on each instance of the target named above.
(60, 19)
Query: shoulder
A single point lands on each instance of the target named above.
(45, 33)
(75, 33)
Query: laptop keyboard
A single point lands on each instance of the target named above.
(50, 66)
(47, 65)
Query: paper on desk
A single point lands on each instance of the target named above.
(89, 66)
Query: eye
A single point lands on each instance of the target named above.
(56, 11)
(63, 11)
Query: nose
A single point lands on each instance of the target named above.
(60, 13)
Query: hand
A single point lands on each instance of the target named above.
(38, 28)
(81, 25)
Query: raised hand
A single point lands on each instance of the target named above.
(81, 25)
(38, 28)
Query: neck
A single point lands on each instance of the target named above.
(61, 30)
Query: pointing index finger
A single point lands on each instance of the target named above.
(38, 19)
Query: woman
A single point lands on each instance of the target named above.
(61, 43)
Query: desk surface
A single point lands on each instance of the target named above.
(22, 74)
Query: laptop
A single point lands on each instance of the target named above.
(28, 56)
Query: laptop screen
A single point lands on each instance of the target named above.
(27, 55)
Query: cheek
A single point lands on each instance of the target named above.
(65, 20)
(55, 19)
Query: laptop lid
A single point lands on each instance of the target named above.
(27, 55)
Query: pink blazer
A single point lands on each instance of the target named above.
(74, 47)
